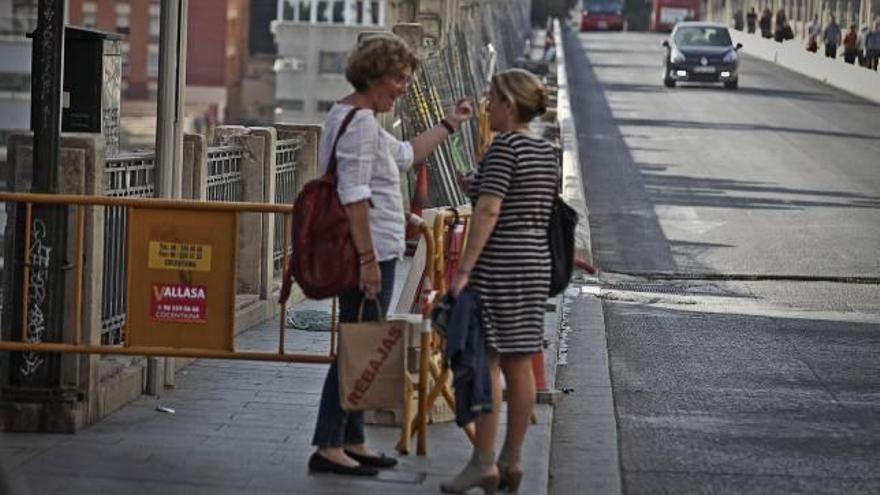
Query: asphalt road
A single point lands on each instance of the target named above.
(737, 233)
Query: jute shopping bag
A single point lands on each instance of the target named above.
(372, 364)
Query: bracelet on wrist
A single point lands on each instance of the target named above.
(448, 125)
(367, 260)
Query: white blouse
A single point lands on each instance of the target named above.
(369, 164)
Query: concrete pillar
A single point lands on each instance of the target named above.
(310, 135)
(265, 139)
(77, 402)
(411, 32)
(398, 11)
(258, 161)
(195, 167)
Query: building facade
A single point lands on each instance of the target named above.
(217, 33)
(138, 22)
(314, 38)
(17, 18)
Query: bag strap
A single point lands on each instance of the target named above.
(378, 309)
(331, 166)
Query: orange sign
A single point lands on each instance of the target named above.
(181, 278)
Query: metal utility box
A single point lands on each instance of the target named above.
(92, 84)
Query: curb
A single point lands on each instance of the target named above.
(572, 182)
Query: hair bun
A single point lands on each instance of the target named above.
(541, 108)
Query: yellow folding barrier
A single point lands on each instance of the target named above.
(183, 255)
(431, 343)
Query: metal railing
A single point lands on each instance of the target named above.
(130, 175)
(285, 192)
(224, 173)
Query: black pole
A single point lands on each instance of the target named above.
(45, 285)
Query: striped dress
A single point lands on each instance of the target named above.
(512, 275)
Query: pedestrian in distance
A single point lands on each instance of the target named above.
(370, 162)
(766, 24)
(814, 30)
(507, 263)
(832, 38)
(738, 20)
(862, 56)
(782, 29)
(549, 44)
(872, 46)
(851, 45)
(751, 20)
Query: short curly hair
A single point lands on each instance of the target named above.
(378, 56)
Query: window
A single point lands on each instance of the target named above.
(297, 10)
(331, 11)
(325, 106)
(24, 9)
(291, 105)
(155, 20)
(289, 64)
(153, 60)
(126, 58)
(15, 82)
(361, 12)
(123, 18)
(366, 12)
(305, 11)
(24, 17)
(90, 15)
(332, 62)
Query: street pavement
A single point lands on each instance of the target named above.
(736, 234)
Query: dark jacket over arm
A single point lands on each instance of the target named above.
(466, 352)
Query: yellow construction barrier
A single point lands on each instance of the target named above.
(182, 255)
(433, 379)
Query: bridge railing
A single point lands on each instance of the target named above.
(128, 175)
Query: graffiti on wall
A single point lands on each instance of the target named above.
(40, 256)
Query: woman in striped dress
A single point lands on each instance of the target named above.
(507, 262)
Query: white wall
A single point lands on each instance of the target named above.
(305, 42)
(793, 56)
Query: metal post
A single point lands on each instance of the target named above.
(172, 83)
(169, 121)
(47, 227)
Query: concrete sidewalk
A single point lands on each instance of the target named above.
(245, 427)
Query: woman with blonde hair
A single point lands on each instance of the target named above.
(370, 162)
(507, 262)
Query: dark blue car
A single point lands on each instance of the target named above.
(701, 52)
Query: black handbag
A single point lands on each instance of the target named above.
(560, 233)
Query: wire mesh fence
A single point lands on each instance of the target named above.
(460, 65)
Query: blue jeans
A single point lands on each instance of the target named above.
(336, 427)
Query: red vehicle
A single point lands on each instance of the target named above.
(666, 13)
(602, 15)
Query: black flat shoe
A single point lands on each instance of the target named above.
(320, 464)
(380, 461)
